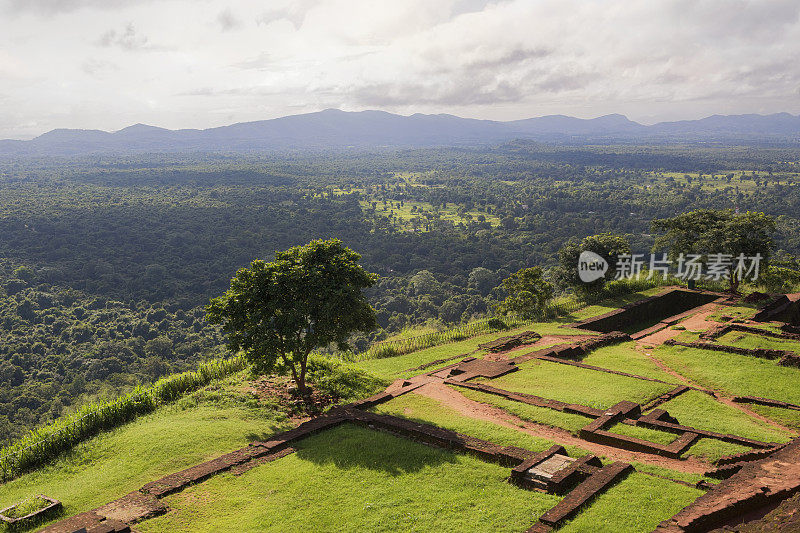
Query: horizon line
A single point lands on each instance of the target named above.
(112, 132)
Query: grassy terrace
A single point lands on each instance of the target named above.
(626, 358)
(733, 374)
(642, 499)
(199, 427)
(397, 367)
(358, 480)
(578, 385)
(750, 340)
(697, 409)
(612, 304)
(430, 411)
(638, 503)
(742, 312)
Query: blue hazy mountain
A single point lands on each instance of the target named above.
(338, 129)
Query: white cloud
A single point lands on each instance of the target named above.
(660, 59)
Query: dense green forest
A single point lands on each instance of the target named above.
(107, 262)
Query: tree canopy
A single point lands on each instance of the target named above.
(527, 291)
(309, 297)
(606, 245)
(721, 235)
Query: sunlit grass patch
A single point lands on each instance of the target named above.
(355, 479)
(625, 357)
(541, 415)
(697, 409)
(737, 375)
(637, 504)
(119, 461)
(753, 341)
(578, 385)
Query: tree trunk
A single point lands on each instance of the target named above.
(734, 282)
(303, 368)
(299, 380)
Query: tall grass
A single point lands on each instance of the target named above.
(45, 443)
(391, 348)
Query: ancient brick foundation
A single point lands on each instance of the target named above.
(756, 485)
(512, 341)
(654, 309)
(784, 357)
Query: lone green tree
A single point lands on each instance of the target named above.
(607, 245)
(527, 291)
(717, 231)
(308, 297)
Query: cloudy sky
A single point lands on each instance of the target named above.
(107, 64)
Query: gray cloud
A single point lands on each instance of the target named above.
(51, 7)
(660, 59)
(228, 21)
(98, 67)
(127, 39)
(498, 75)
(295, 13)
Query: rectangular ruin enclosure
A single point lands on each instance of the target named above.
(648, 312)
(29, 510)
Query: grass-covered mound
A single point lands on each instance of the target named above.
(221, 417)
(206, 424)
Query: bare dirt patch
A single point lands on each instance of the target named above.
(281, 390)
(696, 322)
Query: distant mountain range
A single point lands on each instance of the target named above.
(333, 128)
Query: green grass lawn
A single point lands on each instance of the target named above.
(697, 409)
(122, 460)
(742, 312)
(650, 435)
(355, 479)
(577, 385)
(430, 411)
(752, 341)
(787, 417)
(636, 504)
(625, 358)
(541, 415)
(739, 375)
(396, 367)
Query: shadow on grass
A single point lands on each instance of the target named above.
(353, 447)
(265, 435)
